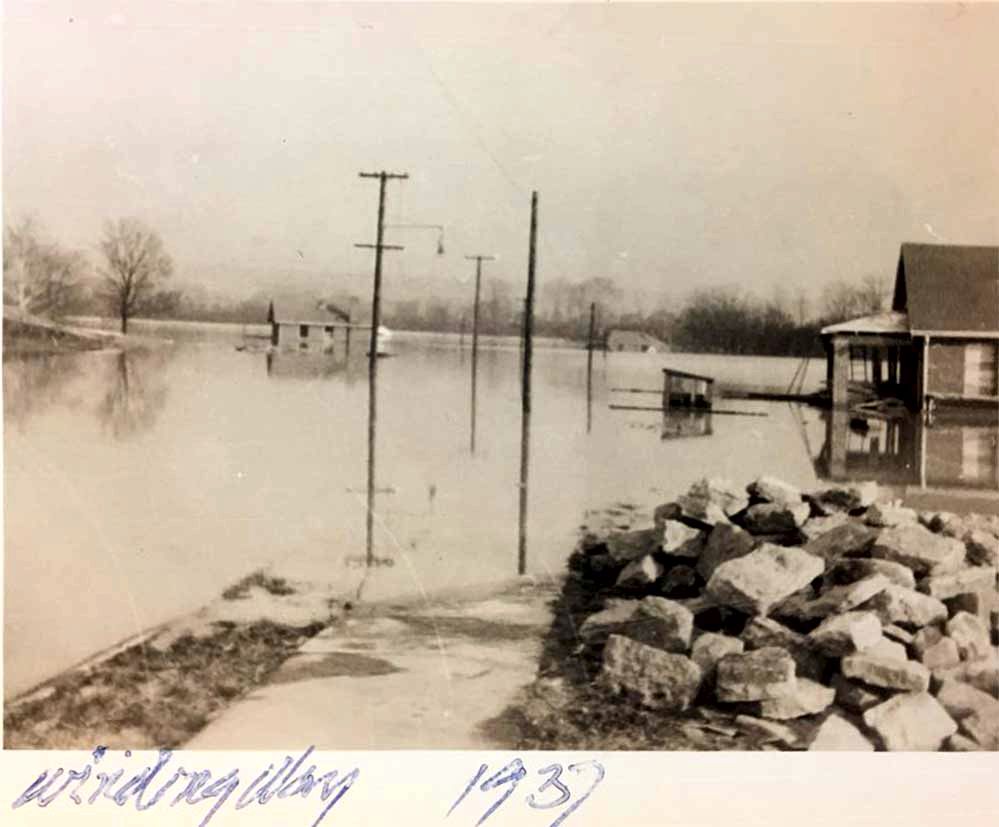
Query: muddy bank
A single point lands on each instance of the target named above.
(20, 339)
(163, 689)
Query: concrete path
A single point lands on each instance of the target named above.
(399, 675)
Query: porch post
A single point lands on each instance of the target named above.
(840, 358)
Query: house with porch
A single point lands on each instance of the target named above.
(938, 343)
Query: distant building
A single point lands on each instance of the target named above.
(308, 325)
(635, 341)
(940, 340)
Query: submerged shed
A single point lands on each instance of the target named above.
(308, 324)
(940, 340)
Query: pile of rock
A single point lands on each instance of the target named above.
(827, 620)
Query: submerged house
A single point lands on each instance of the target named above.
(634, 341)
(938, 343)
(309, 325)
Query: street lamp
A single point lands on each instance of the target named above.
(438, 227)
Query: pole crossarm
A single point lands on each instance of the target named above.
(380, 246)
(402, 175)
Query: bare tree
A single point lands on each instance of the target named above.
(135, 264)
(844, 300)
(39, 276)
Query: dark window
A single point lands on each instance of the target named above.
(303, 331)
(329, 329)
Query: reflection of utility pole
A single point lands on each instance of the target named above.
(475, 332)
(525, 421)
(376, 312)
(589, 367)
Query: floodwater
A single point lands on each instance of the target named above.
(138, 486)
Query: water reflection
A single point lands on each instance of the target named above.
(135, 393)
(956, 455)
(33, 384)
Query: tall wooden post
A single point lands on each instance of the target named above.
(525, 422)
(840, 374)
(376, 313)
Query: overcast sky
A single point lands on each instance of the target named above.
(673, 147)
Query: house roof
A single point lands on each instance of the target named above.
(948, 288)
(891, 321)
(307, 311)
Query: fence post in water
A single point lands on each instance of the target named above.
(589, 368)
(376, 306)
(525, 426)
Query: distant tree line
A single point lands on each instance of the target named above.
(43, 278)
(709, 321)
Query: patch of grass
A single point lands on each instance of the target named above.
(144, 697)
(277, 586)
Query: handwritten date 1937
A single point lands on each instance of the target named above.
(553, 790)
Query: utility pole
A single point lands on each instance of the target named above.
(475, 332)
(525, 421)
(376, 313)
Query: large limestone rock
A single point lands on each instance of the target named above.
(856, 696)
(763, 578)
(709, 648)
(906, 607)
(756, 676)
(912, 721)
(971, 636)
(889, 649)
(766, 731)
(883, 515)
(839, 599)
(761, 632)
(888, 673)
(848, 540)
(961, 700)
(773, 490)
(809, 698)
(661, 623)
(846, 633)
(658, 679)
(941, 654)
(817, 526)
(897, 633)
(948, 524)
(983, 548)
(725, 542)
(851, 569)
(921, 550)
(681, 540)
(775, 518)
(983, 727)
(846, 497)
(712, 501)
(836, 733)
(625, 546)
(981, 674)
(640, 574)
(972, 579)
(615, 615)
